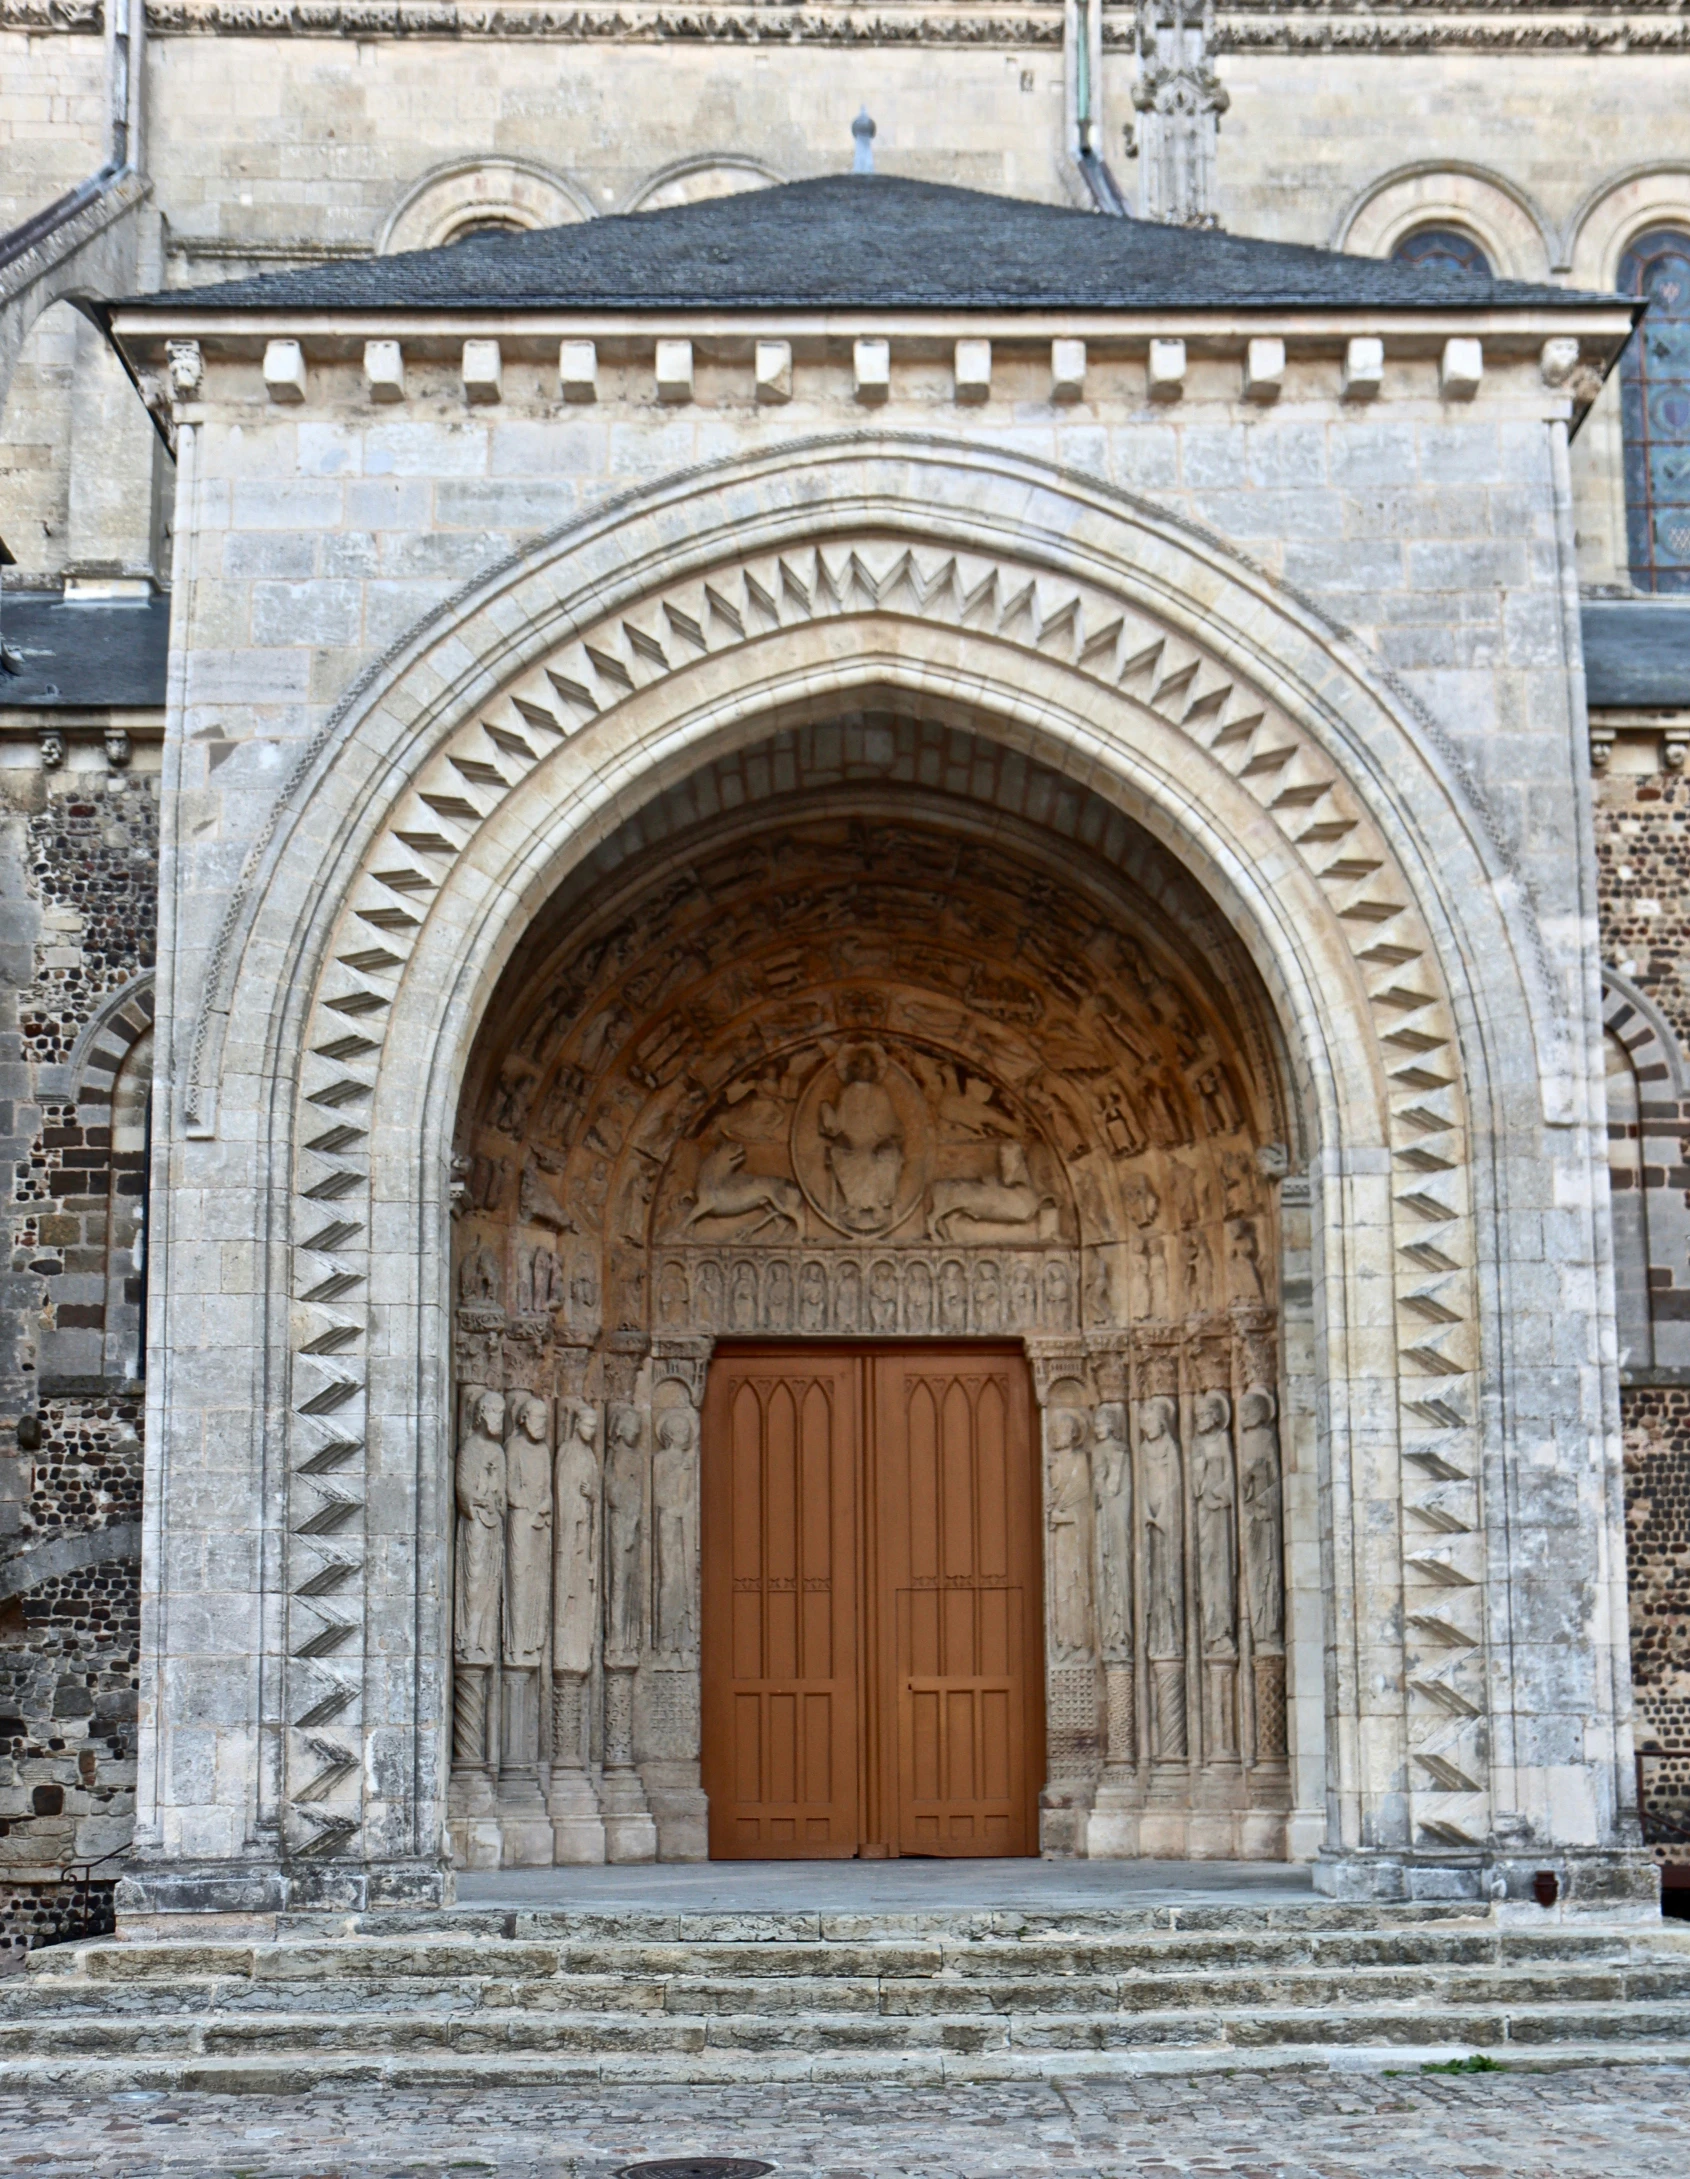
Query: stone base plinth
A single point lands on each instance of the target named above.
(163, 1898)
(577, 1827)
(630, 1834)
(1615, 1883)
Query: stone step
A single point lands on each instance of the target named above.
(394, 1959)
(292, 2075)
(1624, 1979)
(652, 1925)
(666, 2041)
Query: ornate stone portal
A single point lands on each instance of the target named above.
(855, 1072)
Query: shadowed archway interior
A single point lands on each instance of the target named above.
(874, 1031)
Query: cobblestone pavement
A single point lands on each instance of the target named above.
(1587, 2123)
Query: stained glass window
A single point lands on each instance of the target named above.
(1442, 249)
(1655, 405)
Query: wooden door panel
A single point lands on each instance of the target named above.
(872, 1603)
(782, 1438)
(957, 1539)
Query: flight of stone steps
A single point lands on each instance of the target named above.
(472, 1996)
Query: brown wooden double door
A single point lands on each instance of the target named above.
(873, 1656)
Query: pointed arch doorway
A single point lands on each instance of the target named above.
(872, 1647)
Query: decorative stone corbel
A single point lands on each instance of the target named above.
(774, 372)
(186, 366)
(1675, 740)
(1601, 747)
(284, 371)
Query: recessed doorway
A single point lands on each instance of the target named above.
(872, 1603)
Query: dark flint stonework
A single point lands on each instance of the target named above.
(78, 909)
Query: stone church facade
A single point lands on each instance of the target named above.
(848, 1022)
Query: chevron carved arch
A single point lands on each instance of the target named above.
(1114, 656)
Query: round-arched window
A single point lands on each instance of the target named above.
(1441, 249)
(1655, 408)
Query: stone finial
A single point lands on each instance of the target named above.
(578, 370)
(1067, 370)
(973, 368)
(384, 370)
(1364, 368)
(1264, 371)
(284, 370)
(871, 370)
(774, 371)
(483, 372)
(1167, 370)
(674, 371)
(863, 134)
(1461, 370)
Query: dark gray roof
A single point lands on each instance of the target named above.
(83, 657)
(1637, 652)
(852, 242)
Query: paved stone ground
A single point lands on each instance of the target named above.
(1586, 2123)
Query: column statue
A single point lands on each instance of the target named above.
(1161, 1479)
(528, 1533)
(1261, 1494)
(1113, 1483)
(674, 1497)
(629, 1833)
(1217, 1523)
(528, 1595)
(1215, 1493)
(624, 1517)
(577, 1829)
(1259, 1489)
(479, 1569)
(1069, 1518)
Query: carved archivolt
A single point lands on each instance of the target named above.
(804, 1076)
(822, 1071)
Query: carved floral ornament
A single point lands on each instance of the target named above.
(1482, 26)
(681, 1132)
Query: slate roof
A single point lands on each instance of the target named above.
(856, 242)
(1637, 652)
(81, 657)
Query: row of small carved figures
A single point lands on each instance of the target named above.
(777, 1293)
